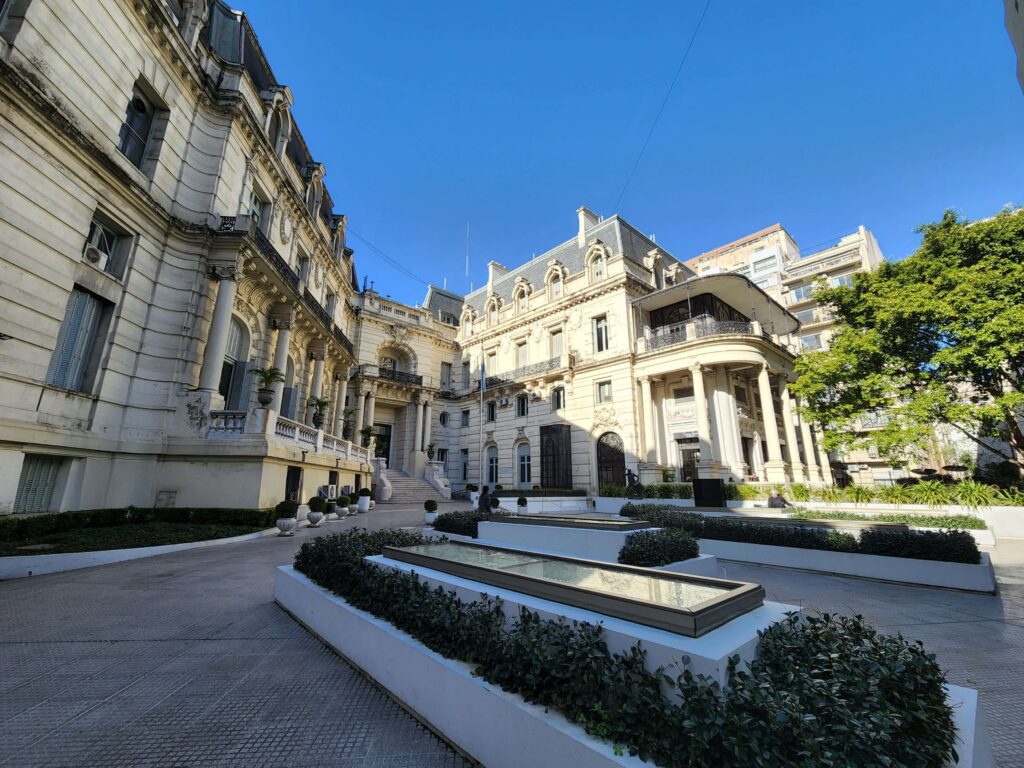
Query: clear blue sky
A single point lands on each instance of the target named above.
(818, 115)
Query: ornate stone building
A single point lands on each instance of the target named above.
(166, 233)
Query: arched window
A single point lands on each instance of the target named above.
(274, 129)
(492, 315)
(555, 287)
(597, 268)
(523, 465)
(611, 460)
(492, 465)
(467, 326)
(522, 303)
(289, 395)
(314, 195)
(235, 385)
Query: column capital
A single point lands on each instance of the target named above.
(318, 355)
(220, 272)
(281, 323)
(696, 368)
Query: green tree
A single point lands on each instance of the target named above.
(935, 338)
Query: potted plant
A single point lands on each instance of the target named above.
(430, 510)
(430, 451)
(474, 493)
(287, 517)
(316, 511)
(364, 500)
(353, 503)
(495, 504)
(266, 378)
(521, 505)
(367, 433)
(319, 405)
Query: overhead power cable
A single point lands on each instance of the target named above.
(392, 261)
(661, 109)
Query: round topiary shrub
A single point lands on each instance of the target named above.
(521, 501)
(495, 502)
(651, 549)
(286, 509)
(472, 487)
(364, 492)
(353, 498)
(430, 505)
(317, 504)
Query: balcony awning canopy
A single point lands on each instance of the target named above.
(735, 290)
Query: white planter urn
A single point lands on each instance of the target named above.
(522, 509)
(372, 503)
(430, 517)
(286, 526)
(364, 504)
(314, 519)
(473, 496)
(353, 508)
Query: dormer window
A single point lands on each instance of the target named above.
(555, 287)
(597, 268)
(467, 327)
(522, 303)
(492, 316)
(314, 196)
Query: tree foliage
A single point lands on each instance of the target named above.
(935, 338)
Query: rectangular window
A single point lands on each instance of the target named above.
(442, 456)
(492, 411)
(845, 281)
(805, 315)
(330, 304)
(465, 464)
(556, 344)
(604, 392)
(466, 374)
(811, 341)
(522, 406)
(763, 265)
(558, 398)
(802, 292)
(465, 419)
(741, 393)
(521, 354)
(76, 356)
(259, 211)
(446, 375)
(766, 282)
(106, 248)
(303, 267)
(524, 465)
(601, 333)
(492, 363)
(682, 394)
(36, 483)
(136, 128)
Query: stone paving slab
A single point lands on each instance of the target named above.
(184, 659)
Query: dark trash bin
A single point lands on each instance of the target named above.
(709, 493)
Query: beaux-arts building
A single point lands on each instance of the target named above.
(165, 231)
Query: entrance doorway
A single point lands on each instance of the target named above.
(383, 434)
(293, 483)
(555, 456)
(689, 456)
(611, 460)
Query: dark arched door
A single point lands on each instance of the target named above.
(611, 460)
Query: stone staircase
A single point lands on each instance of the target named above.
(410, 490)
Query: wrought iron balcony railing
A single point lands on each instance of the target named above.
(524, 372)
(271, 254)
(342, 339)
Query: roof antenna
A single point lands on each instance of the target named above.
(467, 258)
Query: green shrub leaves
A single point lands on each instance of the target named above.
(650, 549)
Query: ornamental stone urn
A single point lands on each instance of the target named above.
(314, 518)
(286, 526)
(264, 396)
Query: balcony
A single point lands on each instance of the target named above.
(270, 254)
(524, 372)
(371, 371)
(239, 425)
(678, 333)
(797, 271)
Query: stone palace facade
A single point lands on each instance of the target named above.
(165, 232)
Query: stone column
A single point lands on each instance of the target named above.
(646, 417)
(371, 405)
(810, 458)
(284, 335)
(316, 388)
(331, 424)
(426, 424)
(339, 414)
(217, 340)
(417, 441)
(707, 467)
(775, 467)
(729, 424)
(357, 424)
(823, 461)
(796, 468)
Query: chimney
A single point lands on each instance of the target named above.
(494, 271)
(588, 219)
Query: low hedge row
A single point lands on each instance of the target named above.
(652, 491)
(962, 522)
(824, 690)
(19, 527)
(933, 493)
(651, 549)
(517, 492)
(464, 522)
(946, 546)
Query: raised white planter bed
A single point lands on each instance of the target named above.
(612, 504)
(497, 728)
(550, 505)
(932, 573)
(21, 566)
(587, 543)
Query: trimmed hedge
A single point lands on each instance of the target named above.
(960, 522)
(652, 491)
(823, 690)
(944, 546)
(650, 549)
(18, 528)
(464, 522)
(515, 493)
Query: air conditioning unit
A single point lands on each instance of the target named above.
(95, 256)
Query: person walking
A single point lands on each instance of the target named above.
(483, 504)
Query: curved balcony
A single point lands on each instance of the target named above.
(679, 333)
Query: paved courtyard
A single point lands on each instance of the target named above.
(185, 660)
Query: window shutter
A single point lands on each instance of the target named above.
(35, 486)
(74, 341)
(288, 403)
(241, 385)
